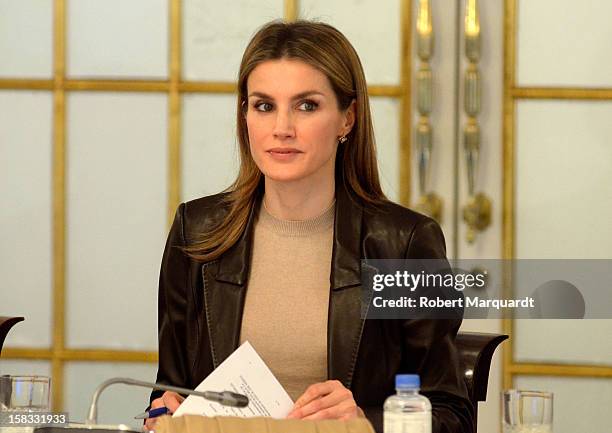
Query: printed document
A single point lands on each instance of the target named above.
(246, 373)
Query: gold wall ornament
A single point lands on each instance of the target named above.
(425, 35)
(477, 212)
(428, 202)
(472, 31)
(477, 215)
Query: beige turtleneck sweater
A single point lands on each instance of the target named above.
(285, 311)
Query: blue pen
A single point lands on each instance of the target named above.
(153, 413)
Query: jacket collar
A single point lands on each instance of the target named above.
(346, 255)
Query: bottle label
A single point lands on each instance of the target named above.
(412, 422)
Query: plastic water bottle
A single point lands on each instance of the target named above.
(407, 411)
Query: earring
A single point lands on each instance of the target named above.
(343, 139)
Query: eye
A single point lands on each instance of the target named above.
(308, 106)
(263, 106)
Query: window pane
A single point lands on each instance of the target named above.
(20, 367)
(564, 43)
(214, 37)
(26, 38)
(25, 219)
(377, 43)
(117, 188)
(563, 154)
(116, 38)
(209, 149)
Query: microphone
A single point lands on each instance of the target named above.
(226, 398)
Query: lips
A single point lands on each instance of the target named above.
(284, 150)
(284, 154)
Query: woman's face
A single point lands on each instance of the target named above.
(294, 121)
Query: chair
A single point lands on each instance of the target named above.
(6, 323)
(475, 352)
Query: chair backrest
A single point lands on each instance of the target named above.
(6, 323)
(475, 352)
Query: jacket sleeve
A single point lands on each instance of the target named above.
(429, 346)
(172, 304)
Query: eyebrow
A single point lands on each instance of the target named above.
(298, 96)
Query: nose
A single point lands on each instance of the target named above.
(284, 127)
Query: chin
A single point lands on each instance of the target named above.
(283, 176)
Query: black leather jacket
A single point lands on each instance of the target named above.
(200, 310)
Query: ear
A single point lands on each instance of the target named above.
(348, 118)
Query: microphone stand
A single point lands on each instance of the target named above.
(226, 398)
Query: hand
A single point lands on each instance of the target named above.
(171, 400)
(326, 400)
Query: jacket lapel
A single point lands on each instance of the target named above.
(345, 323)
(224, 293)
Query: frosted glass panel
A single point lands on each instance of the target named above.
(564, 43)
(117, 192)
(372, 27)
(25, 216)
(579, 404)
(18, 367)
(118, 403)
(209, 148)
(563, 179)
(26, 38)
(117, 38)
(215, 35)
(583, 342)
(385, 116)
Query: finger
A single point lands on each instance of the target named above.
(336, 397)
(171, 401)
(315, 391)
(345, 409)
(158, 402)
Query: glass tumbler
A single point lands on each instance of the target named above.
(24, 393)
(527, 411)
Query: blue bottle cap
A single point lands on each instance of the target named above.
(407, 381)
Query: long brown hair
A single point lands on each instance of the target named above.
(325, 48)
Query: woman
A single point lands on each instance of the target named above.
(276, 258)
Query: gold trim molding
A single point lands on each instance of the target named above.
(26, 353)
(25, 84)
(117, 85)
(59, 202)
(561, 93)
(291, 10)
(80, 355)
(404, 92)
(174, 113)
(561, 370)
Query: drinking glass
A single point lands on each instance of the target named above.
(527, 411)
(24, 393)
